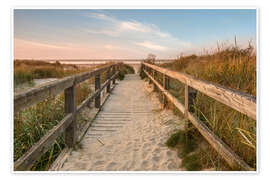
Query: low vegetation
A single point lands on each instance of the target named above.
(34, 122)
(231, 67)
(125, 69)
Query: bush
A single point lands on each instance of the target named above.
(121, 75)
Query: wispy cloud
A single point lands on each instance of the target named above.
(151, 45)
(99, 16)
(135, 35)
(118, 26)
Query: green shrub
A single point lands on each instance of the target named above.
(192, 163)
(121, 75)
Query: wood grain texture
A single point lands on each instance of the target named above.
(70, 107)
(239, 101)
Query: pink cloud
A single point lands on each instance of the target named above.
(24, 49)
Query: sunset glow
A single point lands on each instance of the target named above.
(105, 34)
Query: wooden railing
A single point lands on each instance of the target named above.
(239, 101)
(68, 124)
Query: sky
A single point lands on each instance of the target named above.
(130, 33)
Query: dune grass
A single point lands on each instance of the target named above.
(231, 67)
(34, 122)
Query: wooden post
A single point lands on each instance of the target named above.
(190, 95)
(149, 70)
(108, 74)
(97, 87)
(113, 74)
(70, 107)
(166, 87)
(165, 83)
(155, 77)
(168, 82)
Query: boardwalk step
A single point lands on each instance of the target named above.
(106, 122)
(115, 117)
(102, 126)
(110, 130)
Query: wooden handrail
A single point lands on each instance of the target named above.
(68, 124)
(35, 95)
(239, 101)
(222, 148)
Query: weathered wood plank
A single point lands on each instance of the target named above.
(239, 101)
(224, 150)
(168, 95)
(97, 87)
(114, 70)
(86, 75)
(58, 163)
(70, 107)
(234, 161)
(37, 94)
(28, 159)
(95, 94)
(108, 76)
(190, 95)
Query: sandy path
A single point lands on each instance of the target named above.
(129, 134)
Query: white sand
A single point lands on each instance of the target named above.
(129, 134)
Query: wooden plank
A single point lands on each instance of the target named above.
(37, 94)
(97, 87)
(239, 101)
(29, 158)
(234, 161)
(95, 94)
(108, 75)
(70, 107)
(186, 101)
(168, 95)
(43, 145)
(86, 127)
(224, 150)
(86, 75)
(165, 87)
(60, 160)
(114, 73)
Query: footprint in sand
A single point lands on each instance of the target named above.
(145, 164)
(111, 165)
(97, 163)
(80, 165)
(156, 150)
(172, 165)
(156, 158)
(99, 156)
(169, 153)
(145, 145)
(161, 144)
(144, 154)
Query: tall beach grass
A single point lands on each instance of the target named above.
(231, 67)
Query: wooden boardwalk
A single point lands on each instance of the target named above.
(129, 133)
